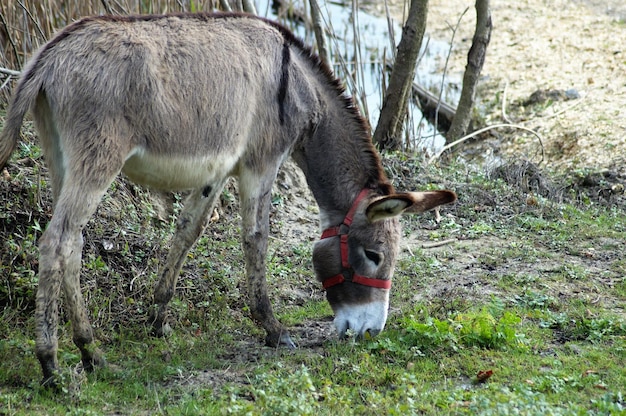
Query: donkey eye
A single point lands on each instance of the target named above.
(374, 256)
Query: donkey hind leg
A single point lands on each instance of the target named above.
(255, 197)
(60, 256)
(190, 224)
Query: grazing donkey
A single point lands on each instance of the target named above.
(184, 101)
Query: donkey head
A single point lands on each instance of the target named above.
(355, 260)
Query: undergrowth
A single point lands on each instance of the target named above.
(507, 305)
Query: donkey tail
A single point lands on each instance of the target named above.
(25, 95)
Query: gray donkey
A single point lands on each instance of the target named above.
(182, 102)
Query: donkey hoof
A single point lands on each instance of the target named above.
(90, 364)
(50, 383)
(161, 331)
(281, 339)
(285, 340)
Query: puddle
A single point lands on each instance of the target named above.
(359, 62)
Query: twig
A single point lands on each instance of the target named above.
(504, 116)
(13, 46)
(392, 36)
(435, 244)
(477, 132)
(445, 68)
(9, 72)
(280, 240)
(360, 76)
(225, 6)
(107, 7)
(248, 6)
(6, 81)
(32, 18)
(318, 28)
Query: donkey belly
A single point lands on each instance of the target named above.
(175, 172)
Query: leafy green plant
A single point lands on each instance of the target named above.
(489, 327)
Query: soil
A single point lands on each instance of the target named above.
(568, 48)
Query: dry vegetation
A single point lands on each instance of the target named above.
(27, 24)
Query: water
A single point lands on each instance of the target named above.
(360, 48)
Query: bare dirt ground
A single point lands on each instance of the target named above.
(540, 45)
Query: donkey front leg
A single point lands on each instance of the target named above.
(255, 206)
(190, 224)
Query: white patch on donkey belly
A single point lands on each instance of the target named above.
(177, 172)
(361, 318)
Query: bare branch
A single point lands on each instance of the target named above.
(6, 82)
(477, 132)
(225, 6)
(106, 6)
(248, 6)
(9, 72)
(32, 19)
(445, 74)
(8, 32)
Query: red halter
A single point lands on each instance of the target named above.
(341, 231)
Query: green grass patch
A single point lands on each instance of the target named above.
(519, 312)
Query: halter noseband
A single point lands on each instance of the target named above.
(341, 231)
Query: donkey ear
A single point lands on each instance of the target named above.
(407, 202)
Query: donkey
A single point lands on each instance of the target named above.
(182, 102)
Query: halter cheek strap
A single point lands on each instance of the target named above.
(341, 231)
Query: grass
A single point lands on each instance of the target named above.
(516, 317)
(522, 314)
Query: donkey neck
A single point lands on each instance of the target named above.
(339, 160)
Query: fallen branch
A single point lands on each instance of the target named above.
(434, 110)
(477, 132)
(436, 244)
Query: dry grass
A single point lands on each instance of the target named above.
(25, 25)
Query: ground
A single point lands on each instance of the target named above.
(540, 52)
(536, 46)
(539, 45)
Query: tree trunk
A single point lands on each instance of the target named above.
(475, 61)
(389, 129)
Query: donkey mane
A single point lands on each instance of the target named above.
(376, 178)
